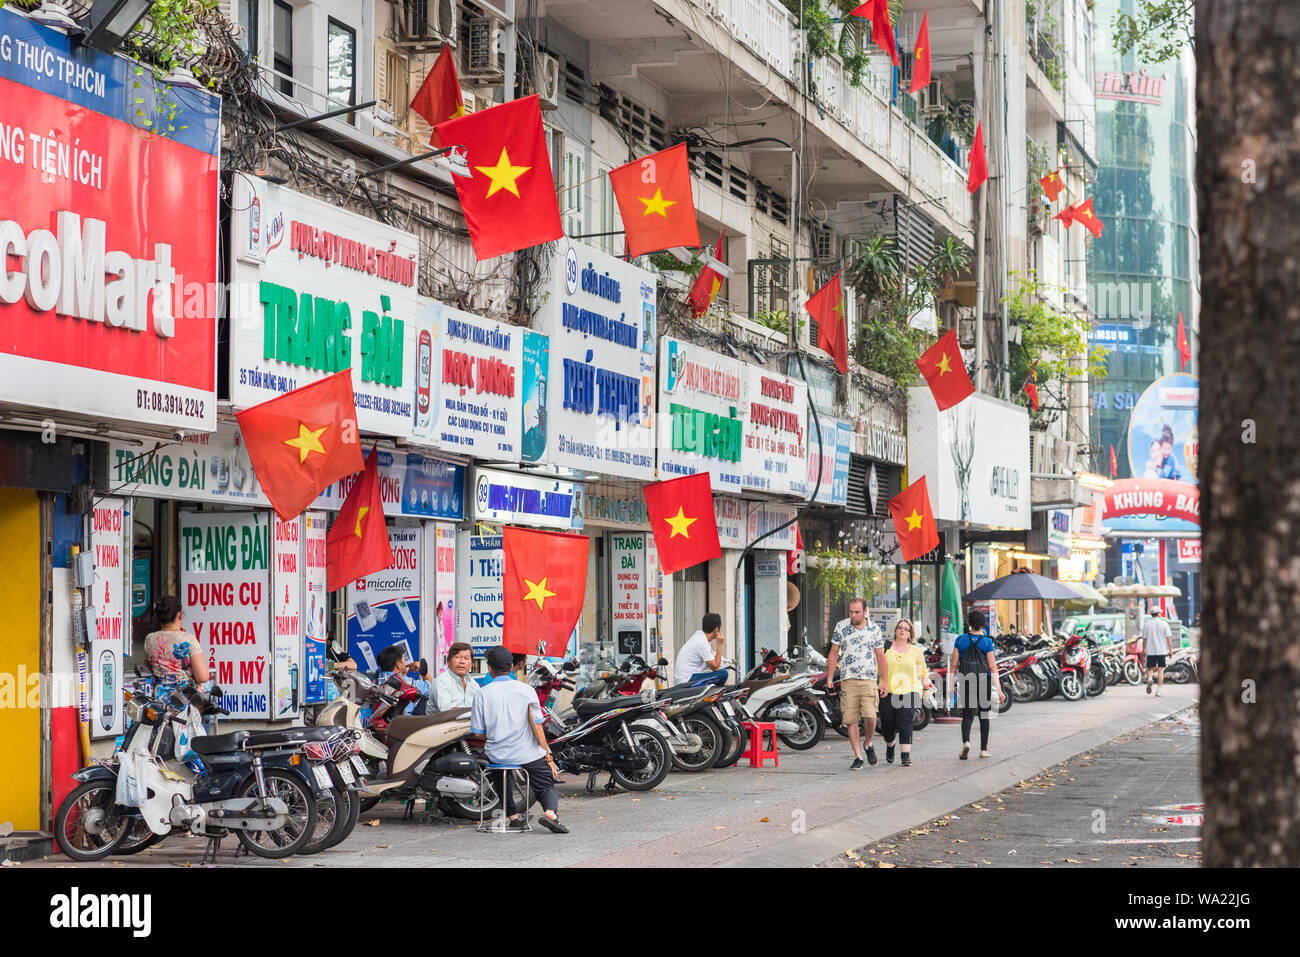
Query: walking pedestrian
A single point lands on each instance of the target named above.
(858, 646)
(1156, 640)
(970, 674)
(905, 665)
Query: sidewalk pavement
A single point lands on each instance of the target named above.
(809, 810)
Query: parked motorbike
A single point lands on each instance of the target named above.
(629, 678)
(1183, 667)
(800, 723)
(226, 786)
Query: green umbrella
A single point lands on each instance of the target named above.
(950, 623)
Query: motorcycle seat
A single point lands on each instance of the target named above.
(678, 692)
(588, 707)
(284, 737)
(757, 683)
(399, 729)
(219, 743)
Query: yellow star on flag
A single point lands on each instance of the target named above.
(460, 111)
(914, 520)
(503, 175)
(538, 592)
(919, 51)
(361, 514)
(307, 442)
(1085, 212)
(1051, 177)
(944, 364)
(657, 203)
(680, 524)
(839, 308)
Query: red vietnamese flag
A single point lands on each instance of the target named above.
(439, 98)
(1184, 347)
(792, 557)
(1066, 216)
(1114, 466)
(1052, 184)
(1031, 386)
(882, 32)
(979, 164)
(682, 520)
(944, 370)
(544, 583)
(357, 544)
(509, 198)
(914, 520)
(921, 56)
(826, 306)
(655, 200)
(302, 441)
(1083, 213)
(706, 284)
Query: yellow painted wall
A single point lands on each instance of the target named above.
(20, 654)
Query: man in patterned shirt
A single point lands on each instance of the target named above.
(859, 647)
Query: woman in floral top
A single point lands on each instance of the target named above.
(173, 653)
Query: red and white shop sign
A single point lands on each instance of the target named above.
(107, 273)
(1189, 551)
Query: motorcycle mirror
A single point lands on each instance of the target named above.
(662, 662)
(570, 666)
(394, 682)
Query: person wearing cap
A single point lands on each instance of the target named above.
(1155, 642)
(507, 714)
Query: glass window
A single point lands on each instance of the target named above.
(248, 26)
(342, 66)
(282, 41)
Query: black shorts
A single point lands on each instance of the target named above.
(1156, 661)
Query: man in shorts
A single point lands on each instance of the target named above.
(1156, 640)
(858, 646)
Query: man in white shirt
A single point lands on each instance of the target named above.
(858, 646)
(454, 688)
(702, 653)
(1156, 641)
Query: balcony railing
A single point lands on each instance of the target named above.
(768, 30)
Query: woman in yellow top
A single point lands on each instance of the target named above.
(907, 671)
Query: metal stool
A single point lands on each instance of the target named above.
(500, 822)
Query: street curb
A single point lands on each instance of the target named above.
(829, 841)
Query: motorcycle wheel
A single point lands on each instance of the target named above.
(298, 829)
(1132, 672)
(88, 827)
(713, 739)
(812, 728)
(653, 774)
(1179, 674)
(137, 838)
(331, 815)
(737, 739)
(1025, 686)
(469, 809)
(1096, 683)
(349, 821)
(1071, 686)
(1007, 697)
(922, 719)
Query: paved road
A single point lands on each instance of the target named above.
(1134, 802)
(807, 811)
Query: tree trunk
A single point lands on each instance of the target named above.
(1248, 183)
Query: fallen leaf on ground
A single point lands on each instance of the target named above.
(374, 823)
(885, 864)
(763, 820)
(381, 845)
(1071, 860)
(860, 863)
(958, 841)
(871, 850)
(719, 828)
(1182, 855)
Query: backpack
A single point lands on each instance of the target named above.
(973, 661)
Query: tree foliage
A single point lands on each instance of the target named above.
(1157, 30)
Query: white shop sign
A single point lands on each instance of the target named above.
(507, 498)
(775, 455)
(384, 607)
(316, 289)
(741, 522)
(480, 599)
(627, 580)
(701, 425)
(600, 315)
(286, 617)
(468, 400)
(109, 544)
(974, 456)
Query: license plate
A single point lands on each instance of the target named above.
(346, 773)
(359, 766)
(322, 776)
(729, 708)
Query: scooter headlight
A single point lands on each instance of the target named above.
(134, 708)
(648, 695)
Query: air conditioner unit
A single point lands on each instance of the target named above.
(546, 75)
(930, 100)
(482, 53)
(430, 20)
(468, 101)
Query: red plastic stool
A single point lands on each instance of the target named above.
(756, 752)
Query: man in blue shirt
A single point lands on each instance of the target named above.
(507, 713)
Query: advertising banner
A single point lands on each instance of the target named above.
(475, 408)
(445, 589)
(833, 463)
(764, 519)
(316, 290)
(701, 397)
(214, 467)
(109, 233)
(732, 516)
(627, 578)
(108, 544)
(384, 608)
(532, 393)
(225, 594)
(974, 456)
(1059, 532)
(286, 617)
(1163, 445)
(507, 498)
(1189, 551)
(480, 598)
(315, 601)
(775, 455)
(600, 316)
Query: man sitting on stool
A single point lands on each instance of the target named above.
(507, 713)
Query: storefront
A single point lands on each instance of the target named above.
(109, 237)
